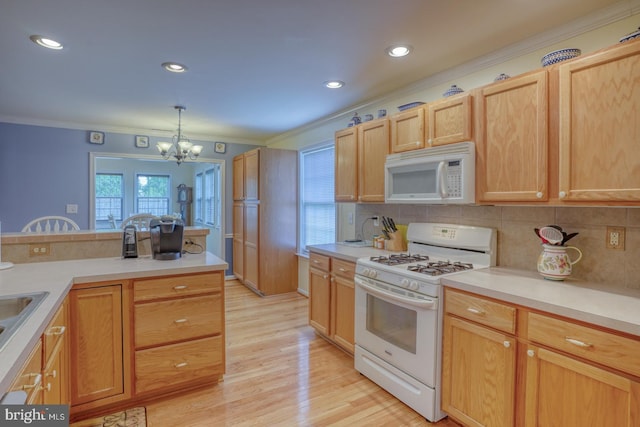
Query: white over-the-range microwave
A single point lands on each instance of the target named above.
(436, 175)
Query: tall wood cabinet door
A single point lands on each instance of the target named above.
(408, 130)
(562, 391)
(373, 147)
(478, 374)
(320, 301)
(252, 175)
(238, 177)
(346, 165)
(343, 304)
(56, 374)
(450, 120)
(238, 240)
(97, 360)
(600, 126)
(512, 140)
(251, 259)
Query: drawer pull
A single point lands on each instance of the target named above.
(475, 311)
(34, 384)
(47, 387)
(315, 261)
(344, 270)
(56, 330)
(52, 374)
(180, 321)
(180, 287)
(181, 365)
(578, 342)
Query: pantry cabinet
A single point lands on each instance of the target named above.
(599, 101)
(332, 299)
(264, 220)
(507, 365)
(408, 130)
(512, 139)
(450, 120)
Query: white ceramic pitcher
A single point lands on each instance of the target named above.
(554, 262)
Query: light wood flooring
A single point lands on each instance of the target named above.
(279, 373)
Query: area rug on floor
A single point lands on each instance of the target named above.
(134, 417)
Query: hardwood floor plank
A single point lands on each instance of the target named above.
(280, 373)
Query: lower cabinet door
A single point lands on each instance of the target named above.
(478, 374)
(562, 391)
(169, 365)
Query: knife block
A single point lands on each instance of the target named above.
(396, 242)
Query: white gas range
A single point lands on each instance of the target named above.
(398, 315)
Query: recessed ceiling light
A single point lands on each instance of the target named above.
(174, 67)
(46, 42)
(334, 84)
(398, 51)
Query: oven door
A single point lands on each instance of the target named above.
(399, 328)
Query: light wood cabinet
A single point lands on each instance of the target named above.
(100, 372)
(178, 331)
(478, 362)
(599, 97)
(264, 222)
(507, 365)
(238, 178)
(512, 139)
(56, 373)
(408, 130)
(373, 147)
(450, 120)
(332, 299)
(346, 165)
(29, 379)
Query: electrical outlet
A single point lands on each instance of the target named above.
(615, 238)
(37, 249)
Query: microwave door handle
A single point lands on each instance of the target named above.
(441, 180)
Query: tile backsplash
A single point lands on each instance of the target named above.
(518, 247)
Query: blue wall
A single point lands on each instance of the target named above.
(42, 169)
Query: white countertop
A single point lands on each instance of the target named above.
(348, 253)
(58, 277)
(610, 307)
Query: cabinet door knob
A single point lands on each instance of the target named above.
(539, 194)
(507, 344)
(430, 141)
(531, 353)
(562, 194)
(53, 374)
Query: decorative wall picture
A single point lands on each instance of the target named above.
(220, 147)
(142, 141)
(96, 137)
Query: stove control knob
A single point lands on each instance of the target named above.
(404, 283)
(373, 274)
(365, 272)
(414, 285)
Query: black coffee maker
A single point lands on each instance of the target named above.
(166, 237)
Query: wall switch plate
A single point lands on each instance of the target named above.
(615, 238)
(72, 209)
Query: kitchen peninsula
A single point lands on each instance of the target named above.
(143, 286)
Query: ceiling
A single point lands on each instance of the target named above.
(255, 67)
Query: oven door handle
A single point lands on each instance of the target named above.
(420, 303)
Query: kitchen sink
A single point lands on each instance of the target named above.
(15, 309)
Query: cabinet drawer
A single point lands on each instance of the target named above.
(177, 319)
(167, 287)
(169, 365)
(342, 268)
(598, 346)
(55, 331)
(320, 262)
(489, 313)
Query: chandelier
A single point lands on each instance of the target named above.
(180, 148)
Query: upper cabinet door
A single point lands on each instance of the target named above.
(512, 140)
(450, 120)
(238, 177)
(599, 126)
(408, 130)
(252, 174)
(346, 165)
(373, 147)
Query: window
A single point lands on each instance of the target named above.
(109, 198)
(207, 197)
(152, 194)
(317, 206)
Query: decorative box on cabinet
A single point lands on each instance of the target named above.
(332, 299)
(512, 139)
(179, 331)
(599, 101)
(264, 221)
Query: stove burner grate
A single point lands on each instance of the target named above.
(436, 268)
(397, 259)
